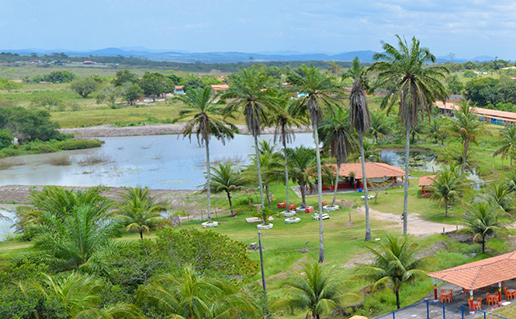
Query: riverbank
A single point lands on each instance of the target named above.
(146, 130)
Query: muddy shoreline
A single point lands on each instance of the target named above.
(146, 130)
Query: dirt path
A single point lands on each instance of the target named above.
(144, 130)
(416, 225)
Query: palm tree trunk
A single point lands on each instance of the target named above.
(208, 176)
(464, 154)
(406, 181)
(364, 181)
(483, 245)
(230, 204)
(141, 234)
(259, 169)
(286, 172)
(319, 192)
(397, 292)
(336, 182)
(267, 195)
(303, 196)
(446, 209)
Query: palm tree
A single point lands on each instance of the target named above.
(395, 263)
(247, 92)
(508, 147)
(436, 129)
(204, 120)
(413, 84)
(284, 129)
(301, 161)
(320, 91)
(226, 179)
(82, 298)
(454, 154)
(139, 211)
(70, 241)
(360, 121)
(500, 195)
(371, 153)
(467, 127)
(378, 126)
(482, 221)
(448, 186)
(191, 295)
(270, 163)
(316, 289)
(338, 138)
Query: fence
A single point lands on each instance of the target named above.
(430, 310)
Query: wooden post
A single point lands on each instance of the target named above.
(471, 308)
(435, 290)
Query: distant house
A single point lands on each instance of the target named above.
(89, 62)
(215, 88)
(485, 115)
(179, 89)
(350, 175)
(425, 181)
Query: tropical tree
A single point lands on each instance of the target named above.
(454, 155)
(318, 91)
(337, 137)
(360, 121)
(437, 130)
(379, 126)
(205, 120)
(301, 160)
(371, 153)
(247, 92)
(225, 178)
(413, 85)
(482, 220)
(139, 210)
(192, 295)
(467, 127)
(70, 241)
(285, 122)
(316, 290)
(448, 186)
(271, 168)
(82, 298)
(395, 264)
(500, 195)
(508, 148)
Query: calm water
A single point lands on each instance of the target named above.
(5, 224)
(159, 162)
(418, 160)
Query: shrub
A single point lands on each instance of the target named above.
(6, 138)
(79, 144)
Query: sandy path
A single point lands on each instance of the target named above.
(416, 225)
(144, 130)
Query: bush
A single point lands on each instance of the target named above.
(79, 144)
(40, 147)
(6, 139)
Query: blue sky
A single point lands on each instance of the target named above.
(467, 28)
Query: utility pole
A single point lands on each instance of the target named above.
(261, 263)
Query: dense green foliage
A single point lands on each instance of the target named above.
(29, 125)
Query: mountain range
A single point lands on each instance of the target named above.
(365, 56)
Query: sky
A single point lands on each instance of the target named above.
(466, 28)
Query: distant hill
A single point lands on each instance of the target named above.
(365, 56)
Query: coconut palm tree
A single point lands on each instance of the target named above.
(192, 295)
(337, 137)
(449, 184)
(482, 220)
(371, 153)
(317, 290)
(139, 210)
(301, 160)
(378, 126)
(81, 296)
(285, 121)
(204, 120)
(225, 178)
(247, 92)
(436, 129)
(271, 168)
(318, 91)
(413, 85)
(395, 264)
(508, 148)
(454, 155)
(500, 195)
(467, 127)
(360, 121)
(69, 242)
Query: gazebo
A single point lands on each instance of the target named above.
(426, 181)
(479, 274)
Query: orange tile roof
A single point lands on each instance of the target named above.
(426, 180)
(373, 170)
(480, 273)
(179, 87)
(219, 87)
(500, 115)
